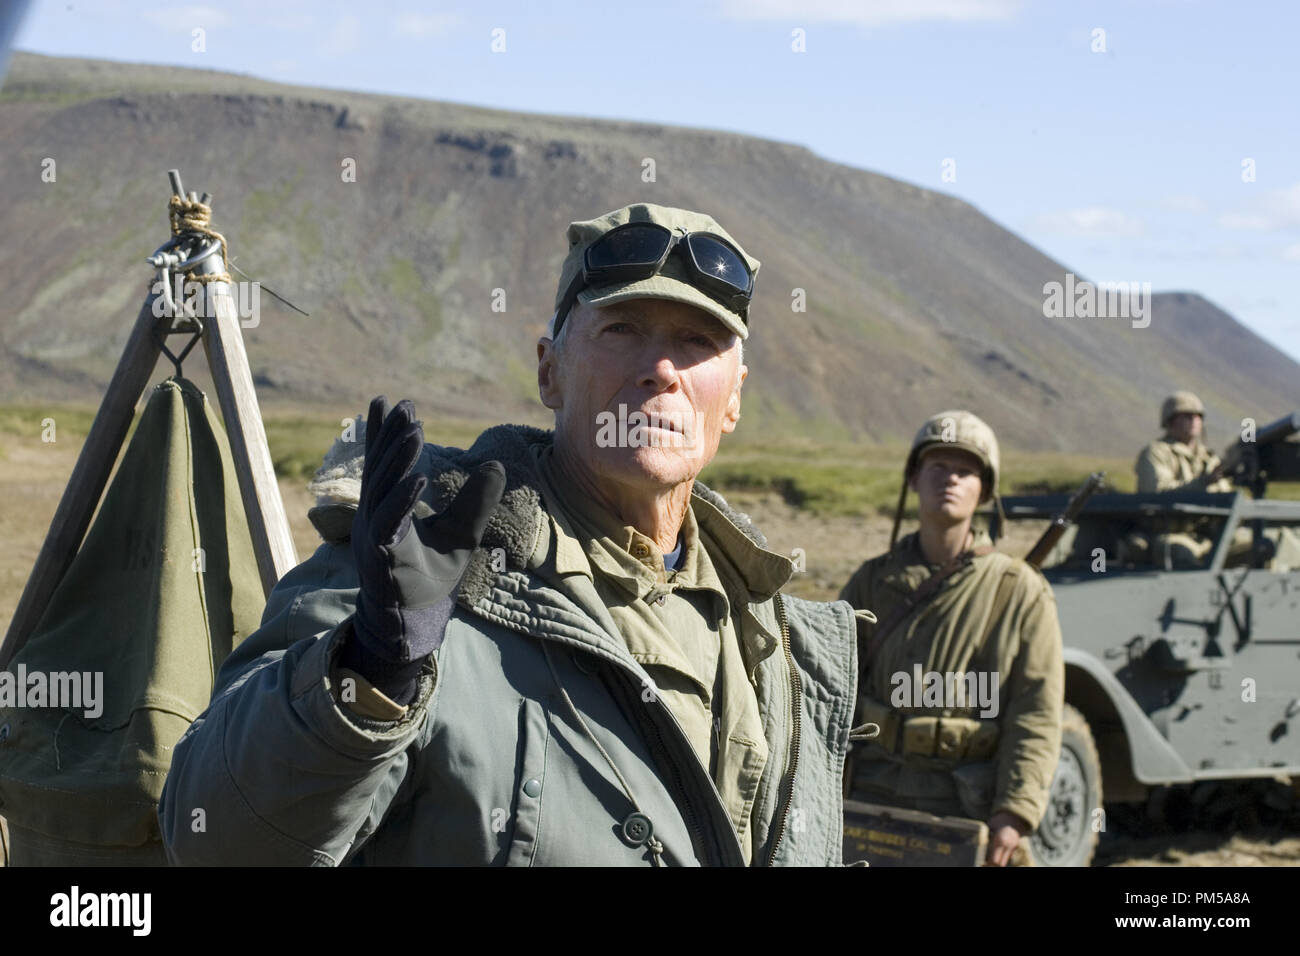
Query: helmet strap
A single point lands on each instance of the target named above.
(898, 512)
(1002, 515)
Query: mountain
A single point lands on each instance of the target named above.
(916, 301)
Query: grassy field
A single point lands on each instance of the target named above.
(820, 478)
(833, 501)
(855, 480)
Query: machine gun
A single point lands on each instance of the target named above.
(1271, 456)
(1067, 517)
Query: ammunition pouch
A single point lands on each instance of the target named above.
(919, 735)
(950, 738)
(983, 743)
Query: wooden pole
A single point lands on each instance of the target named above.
(259, 491)
(258, 488)
(228, 361)
(89, 477)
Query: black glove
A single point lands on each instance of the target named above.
(408, 581)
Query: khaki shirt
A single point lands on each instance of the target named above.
(1168, 465)
(946, 633)
(680, 627)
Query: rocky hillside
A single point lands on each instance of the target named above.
(916, 301)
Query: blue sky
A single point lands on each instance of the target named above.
(1123, 154)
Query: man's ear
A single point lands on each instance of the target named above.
(732, 414)
(548, 388)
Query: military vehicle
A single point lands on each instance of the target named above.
(1173, 674)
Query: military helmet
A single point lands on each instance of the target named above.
(964, 431)
(1177, 404)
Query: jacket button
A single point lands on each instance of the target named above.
(533, 787)
(636, 829)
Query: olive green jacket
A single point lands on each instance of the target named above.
(532, 740)
(1169, 465)
(952, 632)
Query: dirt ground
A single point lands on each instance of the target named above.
(33, 474)
(1202, 849)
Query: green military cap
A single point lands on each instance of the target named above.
(672, 282)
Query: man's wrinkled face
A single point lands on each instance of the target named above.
(642, 390)
(1185, 427)
(947, 482)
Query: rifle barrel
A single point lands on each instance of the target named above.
(1043, 547)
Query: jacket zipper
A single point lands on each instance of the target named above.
(796, 702)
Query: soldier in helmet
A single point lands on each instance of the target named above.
(978, 632)
(1180, 461)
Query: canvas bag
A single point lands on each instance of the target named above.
(156, 616)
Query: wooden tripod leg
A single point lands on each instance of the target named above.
(89, 477)
(224, 343)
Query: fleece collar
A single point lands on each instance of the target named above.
(516, 527)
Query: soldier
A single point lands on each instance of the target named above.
(978, 631)
(1180, 461)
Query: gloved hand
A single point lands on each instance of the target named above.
(408, 580)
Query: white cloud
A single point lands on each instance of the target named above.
(424, 24)
(1185, 202)
(185, 19)
(870, 13)
(1278, 209)
(1292, 252)
(1090, 221)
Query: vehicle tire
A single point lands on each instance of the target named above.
(1066, 836)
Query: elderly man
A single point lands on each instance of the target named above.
(982, 739)
(615, 680)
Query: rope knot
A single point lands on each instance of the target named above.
(192, 216)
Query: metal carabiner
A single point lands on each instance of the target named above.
(212, 246)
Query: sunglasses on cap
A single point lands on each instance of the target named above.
(638, 250)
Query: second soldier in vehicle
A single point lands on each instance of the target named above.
(982, 738)
(1181, 461)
